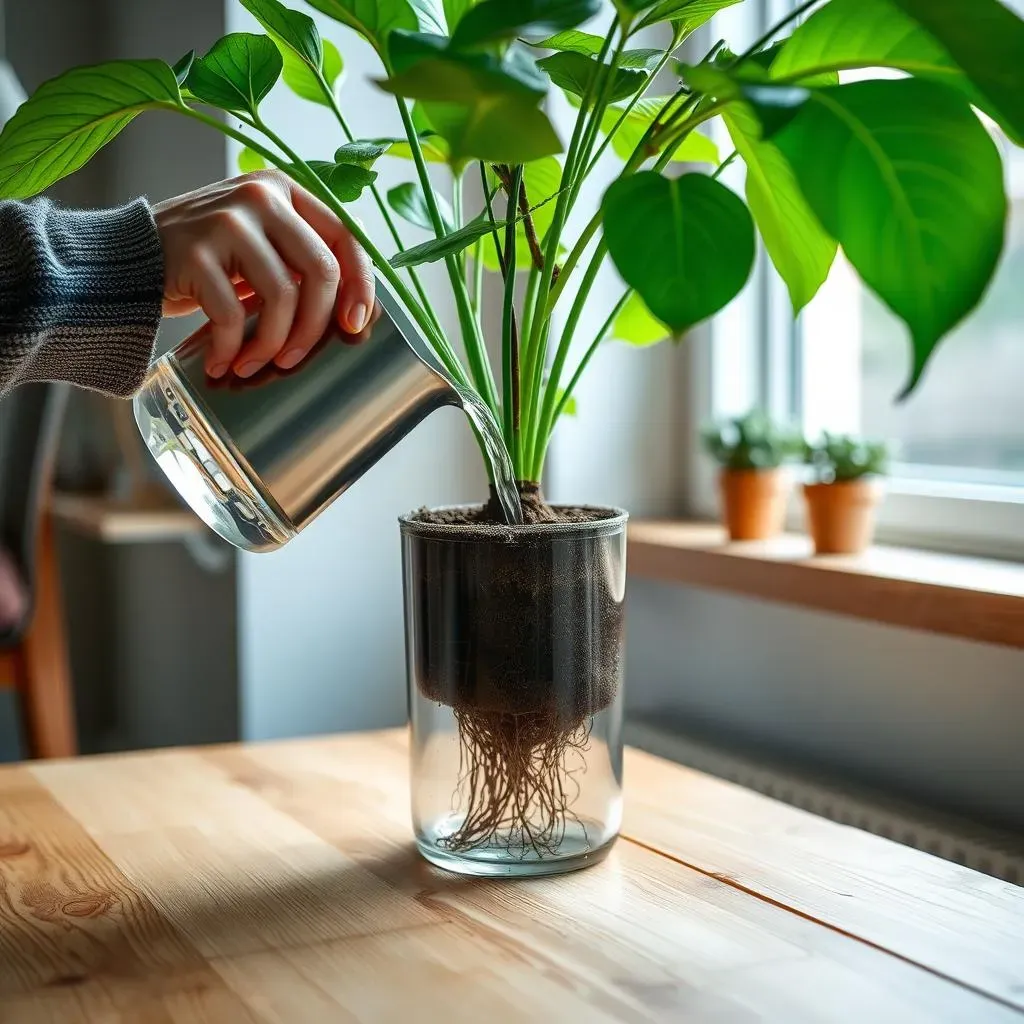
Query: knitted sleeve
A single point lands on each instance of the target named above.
(80, 295)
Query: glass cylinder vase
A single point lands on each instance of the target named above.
(515, 644)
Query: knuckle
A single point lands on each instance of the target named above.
(325, 266)
(283, 290)
(228, 221)
(256, 191)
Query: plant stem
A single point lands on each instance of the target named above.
(472, 336)
(312, 181)
(509, 330)
(561, 355)
(379, 200)
(584, 362)
(536, 343)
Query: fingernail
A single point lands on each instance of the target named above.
(357, 317)
(248, 369)
(286, 360)
(218, 370)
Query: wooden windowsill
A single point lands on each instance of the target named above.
(148, 518)
(975, 598)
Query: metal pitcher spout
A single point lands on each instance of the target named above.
(259, 458)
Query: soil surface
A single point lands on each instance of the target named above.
(535, 510)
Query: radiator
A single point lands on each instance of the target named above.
(995, 853)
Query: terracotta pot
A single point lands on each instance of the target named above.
(754, 502)
(841, 516)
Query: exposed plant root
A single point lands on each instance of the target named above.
(517, 780)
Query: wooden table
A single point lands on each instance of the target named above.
(278, 883)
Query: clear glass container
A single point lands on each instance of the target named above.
(515, 646)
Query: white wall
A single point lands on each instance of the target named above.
(320, 622)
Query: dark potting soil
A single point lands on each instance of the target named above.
(512, 626)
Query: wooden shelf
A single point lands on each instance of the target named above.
(973, 598)
(151, 517)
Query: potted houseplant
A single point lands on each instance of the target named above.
(753, 484)
(515, 632)
(844, 493)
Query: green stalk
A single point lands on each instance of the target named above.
(536, 343)
(312, 181)
(561, 355)
(472, 337)
(531, 396)
(509, 338)
(381, 204)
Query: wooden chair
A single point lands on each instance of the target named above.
(33, 656)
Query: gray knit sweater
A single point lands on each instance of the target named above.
(80, 295)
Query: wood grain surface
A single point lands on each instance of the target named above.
(278, 883)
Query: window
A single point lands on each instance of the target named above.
(958, 479)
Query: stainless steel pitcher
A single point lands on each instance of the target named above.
(258, 459)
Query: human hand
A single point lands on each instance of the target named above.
(262, 238)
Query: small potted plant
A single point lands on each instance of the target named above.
(845, 492)
(753, 482)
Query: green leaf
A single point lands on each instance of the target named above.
(455, 11)
(439, 248)
(483, 106)
(297, 31)
(496, 21)
(848, 34)
(375, 20)
(183, 66)
(987, 42)
(685, 244)
(345, 180)
(590, 45)
(301, 79)
(686, 16)
(237, 73)
(636, 326)
(905, 177)
(695, 148)
(794, 238)
(435, 149)
(574, 72)
(69, 118)
(410, 203)
(249, 160)
(362, 152)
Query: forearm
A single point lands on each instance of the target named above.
(80, 295)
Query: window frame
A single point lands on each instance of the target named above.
(751, 355)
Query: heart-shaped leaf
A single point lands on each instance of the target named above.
(409, 202)
(439, 248)
(375, 20)
(237, 73)
(590, 45)
(986, 39)
(249, 160)
(495, 21)
(794, 238)
(346, 181)
(686, 16)
(69, 118)
(848, 34)
(903, 175)
(574, 72)
(636, 326)
(685, 244)
(695, 148)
